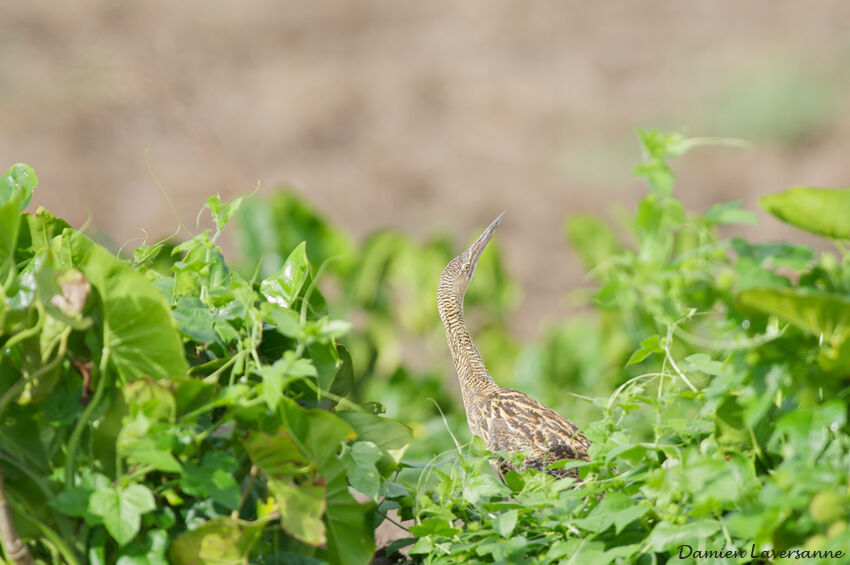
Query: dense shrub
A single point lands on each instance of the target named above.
(729, 424)
(186, 417)
(170, 408)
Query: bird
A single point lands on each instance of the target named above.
(509, 421)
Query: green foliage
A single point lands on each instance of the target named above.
(822, 211)
(728, 421)
(182, 415)
(174, 409)
(388, 285)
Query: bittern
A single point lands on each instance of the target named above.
(507, 420)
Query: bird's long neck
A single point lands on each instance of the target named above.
(475, 380)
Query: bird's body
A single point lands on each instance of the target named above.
(507, 420)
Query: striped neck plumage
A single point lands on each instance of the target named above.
(472, 374)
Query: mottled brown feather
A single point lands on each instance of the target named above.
(507, 420)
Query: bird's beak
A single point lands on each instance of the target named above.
(478, 247)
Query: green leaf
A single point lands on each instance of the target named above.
(514, 481)
(648, 346)
(144, 436)
(510, 551)
(222, 212)
(659, 176)
(730, 213)
(39, 230)
(434, 527)
(332, 329)
(10, 223)
(482, 487)
(764, 394)
(16, 185)
(666, 535)
(506, 522)
(92, 481)
(286, 321)
(284, 370)
(752, 275)
(390, 436)
(20, 434)
(585, 552)
(819, 313)
(319, 435)
(148, 451)
(344, 378)
(301, 508)
(325, 358)
(657, 148)
(153, 399)
(350, 537)
(213, 479)
(122, 509)
(152, 552)
(75, 502)
(137, 325)
(755, 523)
(144, 254)
(359, 460)
(729, 423)
(660, 145)
(72, 501)
(398, 544)
(822, 211)
(806, 432)
(275, 455)
(299, 367)
(283, 287)
(702, 362)
(616, 510)
(423, 546)
(796, 257)
(195, 319)
(274, 379)
(319, 432)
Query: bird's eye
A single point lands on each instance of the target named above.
(465, 267)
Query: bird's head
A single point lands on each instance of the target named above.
(459, 271)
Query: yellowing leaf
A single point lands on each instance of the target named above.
(301, 509)
(221, 541)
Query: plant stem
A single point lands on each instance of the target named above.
(672, 361)
(74, 441)
(68, 554)
(44, 487)
(252, 476)
(305, 301)
(25, 334)
(13, 545)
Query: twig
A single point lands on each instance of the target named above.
(14, 546)
(672, 361)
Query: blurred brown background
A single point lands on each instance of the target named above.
(423, 116)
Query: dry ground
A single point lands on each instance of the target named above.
(420, 115)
